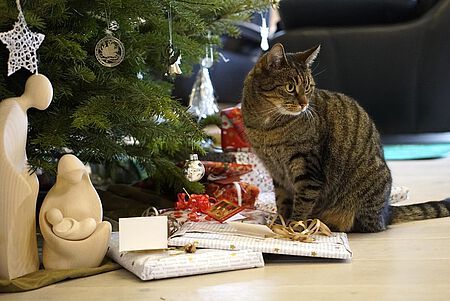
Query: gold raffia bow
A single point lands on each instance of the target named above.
(299, 230)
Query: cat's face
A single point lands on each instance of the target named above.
(285, 80)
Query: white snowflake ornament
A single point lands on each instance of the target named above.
(22, 45)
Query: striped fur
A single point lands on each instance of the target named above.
(321, 148)
(435, 209)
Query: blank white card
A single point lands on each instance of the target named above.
(142, 233)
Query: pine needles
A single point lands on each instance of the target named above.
(109, 114)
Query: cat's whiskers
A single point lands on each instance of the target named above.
(306, 115)
(271, 115)
(315, 67)
(279, 117)
(320, 72)
(312, 108)
(310, 113)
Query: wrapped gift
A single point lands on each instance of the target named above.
(398, 194)
(183, 216)
(159, 264)
(266, 202)
(224, 172)
(241, 193)
(259, 175)
(224, 183)
(233, 135)
(226, 237)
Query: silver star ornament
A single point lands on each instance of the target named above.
(22, 45)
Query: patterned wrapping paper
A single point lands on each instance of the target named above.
(225, 237)
(241, 193)
(224, 182)
(266, 202)
(161, 264)
(230, 171)
(398, 194)
(259, 175)
(233, 135)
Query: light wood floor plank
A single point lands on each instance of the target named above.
(409, 261)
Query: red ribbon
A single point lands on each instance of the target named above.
(196, 203)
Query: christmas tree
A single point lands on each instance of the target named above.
(115, 114)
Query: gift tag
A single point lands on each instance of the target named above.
(223, 210)
(143, 233)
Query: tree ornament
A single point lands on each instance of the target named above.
(193, 169)
(173, 55)
(173, 60)
(22, 45)
(110, 51)
(202, 101)
(264, 31)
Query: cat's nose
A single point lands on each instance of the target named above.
(302, 100)
(304, 108)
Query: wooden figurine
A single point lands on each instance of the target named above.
(18, 186)
(71, 220)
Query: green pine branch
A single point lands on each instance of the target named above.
(106, 115)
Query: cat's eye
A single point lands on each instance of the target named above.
(290, 88)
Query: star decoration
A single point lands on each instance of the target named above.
(22, 45)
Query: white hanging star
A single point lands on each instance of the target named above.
(22, 45)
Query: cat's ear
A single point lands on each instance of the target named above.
(276, 56)
(309, 55)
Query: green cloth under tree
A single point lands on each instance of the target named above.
(43, 277)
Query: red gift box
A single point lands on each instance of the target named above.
(233, 135)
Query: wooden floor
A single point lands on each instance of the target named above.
(408, 262)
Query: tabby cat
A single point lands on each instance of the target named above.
(321, 148)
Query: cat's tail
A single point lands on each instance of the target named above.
(421, 211)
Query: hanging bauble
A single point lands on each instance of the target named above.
(109, 51)
(113, 25)
(193, 169)
(173, 57)
(202, 101)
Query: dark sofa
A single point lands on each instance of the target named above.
(393, 56)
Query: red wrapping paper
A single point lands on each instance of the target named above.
(224, 173)
(248, 193)
(233, 136)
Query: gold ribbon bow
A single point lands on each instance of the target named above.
(299, 230)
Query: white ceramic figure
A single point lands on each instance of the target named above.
(19, 188)
(71, 220)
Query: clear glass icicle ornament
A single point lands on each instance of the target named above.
(264, 32)
(202, 101)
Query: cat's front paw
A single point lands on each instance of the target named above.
(299, 217)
